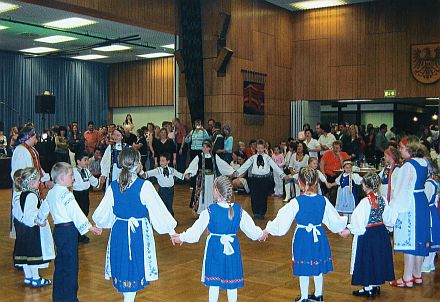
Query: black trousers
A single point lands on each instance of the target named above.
(65, 277)
(83, 200)
(167, 196)
(260, 189)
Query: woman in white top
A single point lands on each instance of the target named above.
(312, 144)
(299, 160)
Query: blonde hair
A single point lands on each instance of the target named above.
(129, 160)
(309, 177)
(223, 186)
(23, 177)
(59, 169)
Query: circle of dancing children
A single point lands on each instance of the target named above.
(222, 265)
(69, 220)
(131, 208)
(372, 258)
(412, 230)
(311, 248)
(33, 244)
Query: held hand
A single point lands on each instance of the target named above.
(188, 176)
(345, 233)
(95, 230)
(175, 238)
(42, 224)
(264, 237)
(286, 177)
(102, 179)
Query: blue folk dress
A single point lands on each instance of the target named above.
(435, 219)
(311, 249)
(219, 268)
(346, 199)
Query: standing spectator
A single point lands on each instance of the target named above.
(312, 144)
(91, 137)
(318, 131)
(162, 146)
(76, 139)
(326, 139)
(170, 130)
(180, 133)
(62, 146)
(381, 142)
(218, 141)
(142, 146)
(129, 137)
(392, 134)
(111, 128)
(196, 138)
(370, 146)
(252, 149)
(128, 122)
(3, 143)
(210, 127)
(352, 144)
(102, 143)
(95, 163)
(229, 143)
(12, 139)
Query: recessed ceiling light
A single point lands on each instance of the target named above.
(303, 5)
(90, 57)
(432, 99)
(4, 7)
(114, 47)
(354, 101)
(3, 27)
(38, 50)
(55, 39)
(170, 46)
(70, 23)
(155, 55)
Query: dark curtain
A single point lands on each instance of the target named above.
(80, 88)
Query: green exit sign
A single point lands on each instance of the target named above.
(390, 93)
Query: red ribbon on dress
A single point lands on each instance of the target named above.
(372, 198)
(36, 163)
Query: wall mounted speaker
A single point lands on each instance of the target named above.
(45, 104)
(223, 57)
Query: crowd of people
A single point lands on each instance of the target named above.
(318, 173)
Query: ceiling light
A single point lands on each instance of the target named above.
(90, 57)
(170, 46)
(354, 101)
(155, 55)
(55, 39)
(415, 119)
(38, 50)
(70, 23)
(4, 7)
(3, 27)
(113, 47)
(432, 99)
(435, 117)
(303, 5)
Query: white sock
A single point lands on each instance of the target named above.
(368, 288)
(213, 293)
(319, 283)
(27, 271)
(34, 272)
(129, 297)
(232, 295)
(429, 260)
(304, 286)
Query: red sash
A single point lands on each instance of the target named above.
(389, 182)
(36, 163)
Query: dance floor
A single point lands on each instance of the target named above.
(267, 266)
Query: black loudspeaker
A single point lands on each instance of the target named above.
(179, 60)
(45, 104)
(223, 57)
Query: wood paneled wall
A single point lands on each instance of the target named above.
(144, 83)
(160, 15)
(345, 52)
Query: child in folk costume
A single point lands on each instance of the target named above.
(311, 248)
(431, 191)
(69, 220)
(389, 174)
(131, 207)
(204, 166)
(347, 197)
(110, 167)
(313, 163)
(34, 244)
(372, 258)
(412, 230)
(259, 178)
(81, 187)
(278, 158)
(165, 177)
(222, 265)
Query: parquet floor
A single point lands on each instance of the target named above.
(266, 265)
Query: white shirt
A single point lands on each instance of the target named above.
(354, 176)
(312, 144)
(81, 184)
(223, 167)
(21, 158)
(326, 140)
(260, 170)
(247, 225)
(297, 165)
(63, 207)
(164, 181)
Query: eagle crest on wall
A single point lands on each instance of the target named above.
(425, 62)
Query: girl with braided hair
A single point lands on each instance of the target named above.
(131, 208)
(389, 174)
(311, 248)
(34, 244)
(222, 266)
(372, 259)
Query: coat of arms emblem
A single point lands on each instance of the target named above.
(425, 62)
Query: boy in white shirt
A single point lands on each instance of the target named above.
(69, 220)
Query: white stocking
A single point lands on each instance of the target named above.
(408, 266)
(213, 293)
(27, 271)
(417, 270)
(429, 260)
(34, 272)
(129, 296)
(232, 295)
(304, 286)
(319, 283)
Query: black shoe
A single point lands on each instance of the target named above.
(377, 289)
(365, 293)
(298, 299)
(316, 298)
